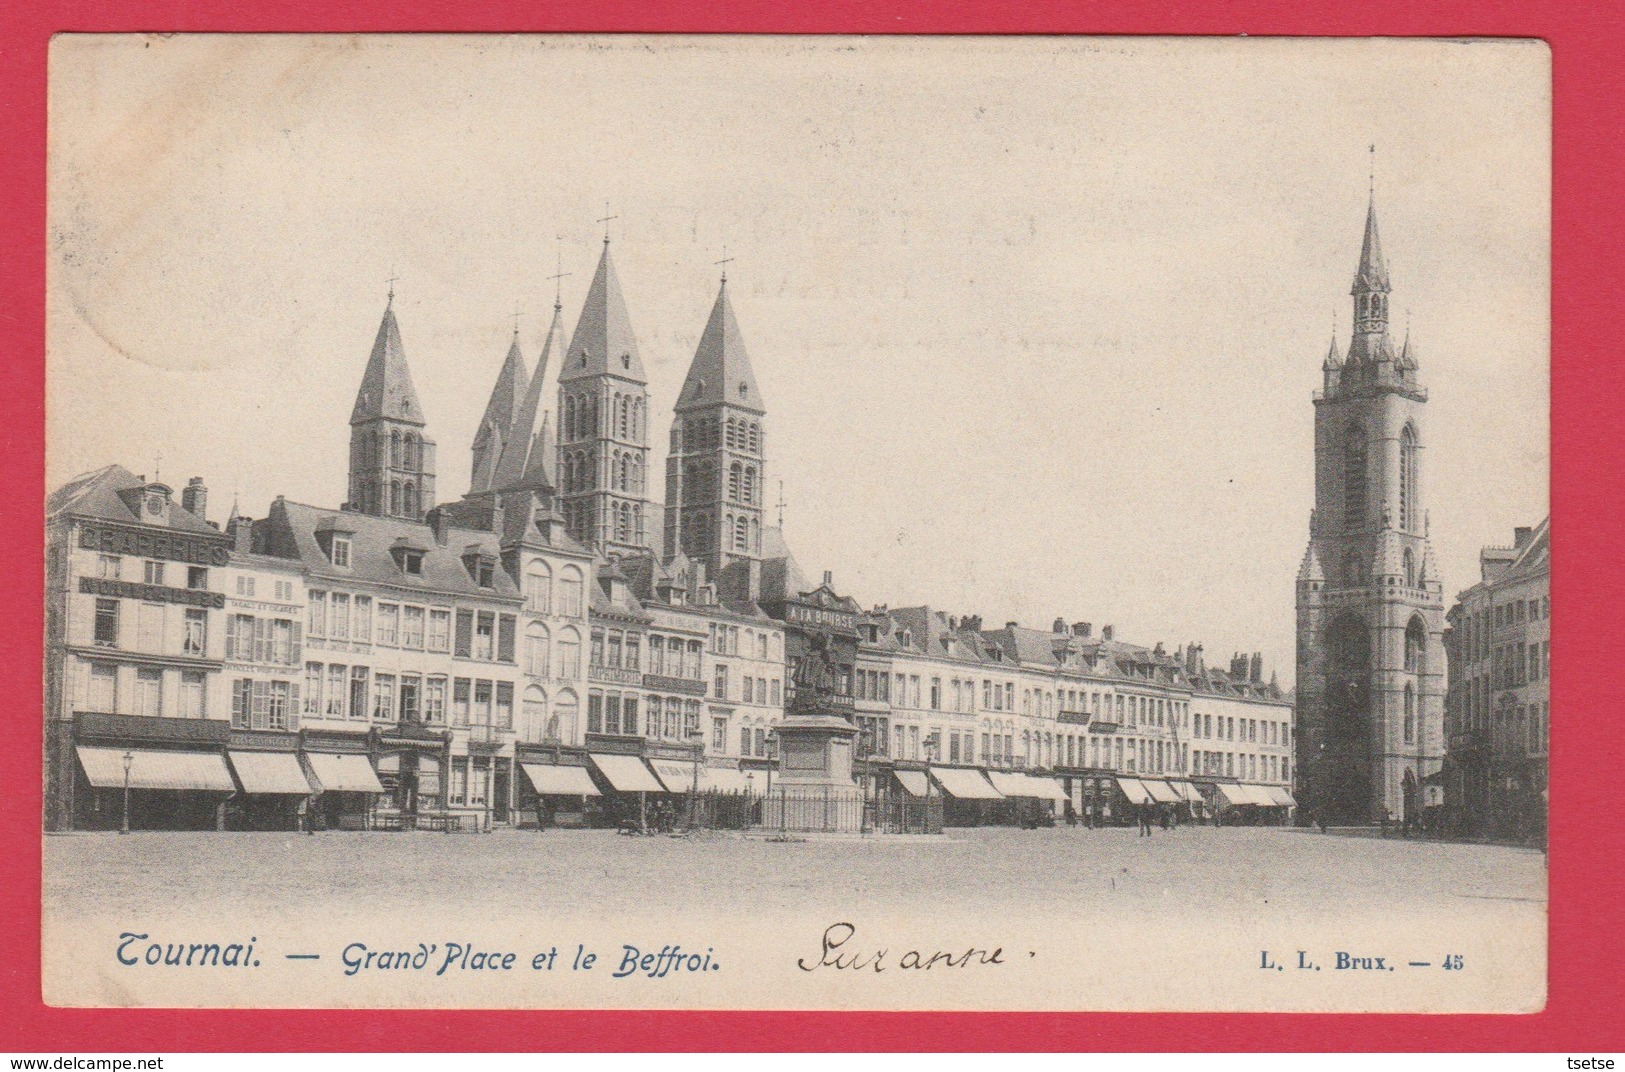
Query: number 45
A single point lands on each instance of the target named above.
(1452, 962)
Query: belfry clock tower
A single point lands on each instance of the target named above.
(1370, 681)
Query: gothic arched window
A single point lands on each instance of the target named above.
(1416, 639)
(1410, 569)
(1354, 480)
(395, 449)
(409, 451)
(741, 534)
(731, 439)
(569, 417)
(755, 436)
(625, 416)
(1410, 714)
(410, 506)
(394, 496)
(1407, 479)
(750, 484)
(735, 480)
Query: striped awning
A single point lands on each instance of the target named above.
(338, 772)
(1234, 794)
(679, 777)
(1257, 794)
(154, 769)
(560, 780)
(1134, 790)
(1015, 784)
(1188, 791)
(1282, 798)
(270, 772)
(1160, 791)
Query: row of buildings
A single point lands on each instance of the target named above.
(552, 643)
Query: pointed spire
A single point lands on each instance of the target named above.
(1334, 357)
(603, 341)
(1372, 275)
(386, 387)
(500, 413)
(539, 468)
(1407, 356)
(721, 371)
(515, 469)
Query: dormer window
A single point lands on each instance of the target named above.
(412, 562)
(408, 555)
(485, 576)
(339, 555)
(626, 361)
(481, 566)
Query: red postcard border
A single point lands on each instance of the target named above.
(1587, 962)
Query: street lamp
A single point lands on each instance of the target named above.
(696, 741)
(124, 826)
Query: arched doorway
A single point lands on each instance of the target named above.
(1345, 794)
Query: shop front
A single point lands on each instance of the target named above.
(275, 793)
(557, 794)
(969, 799)
(148, 773)
(347, 787)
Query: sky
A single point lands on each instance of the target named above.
(1037, 321)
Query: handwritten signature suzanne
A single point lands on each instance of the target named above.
(834, 953)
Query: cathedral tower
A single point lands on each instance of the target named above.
(715, 476)
(498, 422)
(391, 460)
(1370, 693)
(604, 424)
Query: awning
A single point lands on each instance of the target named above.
(1260, 796)
(965, 784)
(1282, 798)
(626, 773)
(1188, 791)
(1161, 792)
(560, 780)
(1234, 794)
(1135, 792)
(343, 772)
(153, 769)
(678, 776)
(270, 772)
(913, 782)
(725, 780)
(1012, 784)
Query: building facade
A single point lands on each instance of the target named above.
(1370, 603)
(1498, 713)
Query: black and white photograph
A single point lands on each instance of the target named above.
(615, 522)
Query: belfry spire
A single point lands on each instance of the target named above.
(523, 461)
(500, 413)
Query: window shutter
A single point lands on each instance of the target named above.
(261, 701)
(292, 721)
(506, 624)
(297, 652)
(231, 636)
(465, 634)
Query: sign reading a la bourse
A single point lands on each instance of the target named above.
(149, 543)
(821, 617)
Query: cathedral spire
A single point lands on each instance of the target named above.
(520, 461)
(500, 413)
(603, 342)
(386, 387)
(721, 371)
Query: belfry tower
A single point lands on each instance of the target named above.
(715, 475)
(391, 460)
(1370, 691)
(603, 411)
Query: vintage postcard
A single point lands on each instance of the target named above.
(797, 523)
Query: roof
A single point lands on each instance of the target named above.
(289, 531)
(527, 451)
(501, 414)
(112, 494)
(1535, 557)
(603, 342)
(721, 372)
(386, 386)
(1372, 274)
(1334, 359)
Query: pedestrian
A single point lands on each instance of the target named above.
(1143, 813)
(1163, 817)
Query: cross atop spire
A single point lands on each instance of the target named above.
(559, 274)
(1373, 178)
(725, 261)
(604, 219)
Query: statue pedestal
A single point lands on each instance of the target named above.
(813, 789)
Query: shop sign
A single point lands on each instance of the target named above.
(663, 683)
(821, 617)
(151, 593)
(151, 543)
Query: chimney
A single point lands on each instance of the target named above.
(1520, 536)
(1159, 650)
(195, 498)
(971, 623)
(1082, 629)
(1011, 625)
(1059, 626)
(1106, 632)
(1257, 667)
